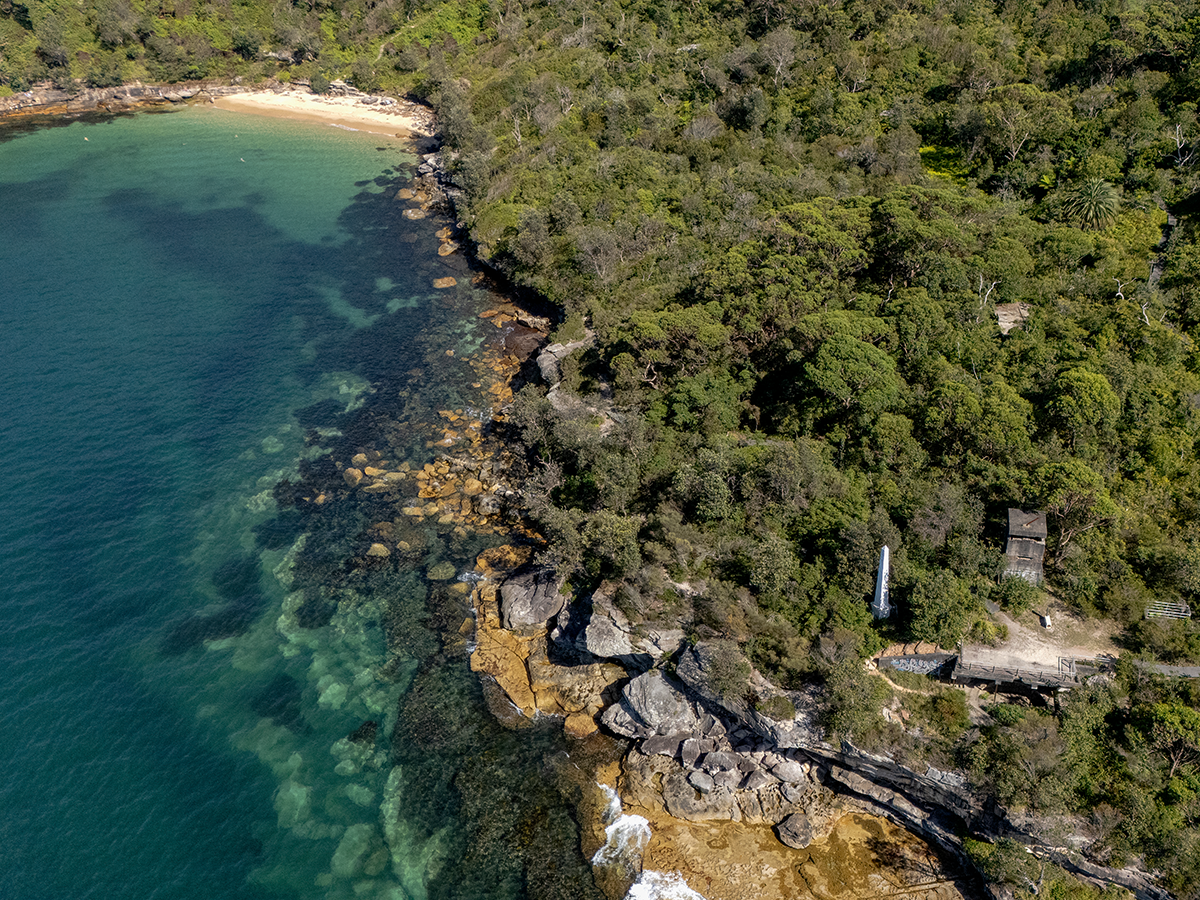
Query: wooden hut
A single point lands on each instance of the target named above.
(1026, 545)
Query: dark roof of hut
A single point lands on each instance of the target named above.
(1026, 524)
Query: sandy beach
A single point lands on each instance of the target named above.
(396, 120)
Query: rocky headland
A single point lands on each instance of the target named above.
(766, 792)
(733, 793)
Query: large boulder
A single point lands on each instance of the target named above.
(604, 638)
(651, 704)
(521, 341)
(550, 357)
(530, 597)
(604, 631)
(795, 831)
(709, 670)
(790, 771)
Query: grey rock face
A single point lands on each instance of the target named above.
(548, 365)
(719, 761)
(793, 793)
(789, 771)
(683, 801)
(730, 779)
(603, 638)
(660, 642)
(711, 726)
(701, 781)
(757, 780)
(694, 748)
(619, 718)
(663, 745)
(530, 597)
(550, 358)
(650, 705)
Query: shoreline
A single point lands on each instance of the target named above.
(378, 115)
(343, 106)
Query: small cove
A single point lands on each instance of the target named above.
(199, 303)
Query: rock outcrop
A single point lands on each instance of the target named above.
(660, 782)
(550, 358)
(518, 659)
(606, 637)
(651, 705)
(595, 627)
(531, 597)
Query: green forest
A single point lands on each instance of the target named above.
(788, 226)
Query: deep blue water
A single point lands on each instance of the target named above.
(185, 298)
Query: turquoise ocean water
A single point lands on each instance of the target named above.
(194, 307)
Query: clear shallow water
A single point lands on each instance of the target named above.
(191, 303)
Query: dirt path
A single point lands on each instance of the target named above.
(878, 671)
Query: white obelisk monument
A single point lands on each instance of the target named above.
(881, 608)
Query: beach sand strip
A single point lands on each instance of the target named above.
(344, 112)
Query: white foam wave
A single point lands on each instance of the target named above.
(613, 810)
(624, 840)
(661, 886)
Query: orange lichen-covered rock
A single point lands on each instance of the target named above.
(580, 725)
(502, 655)
(502, 558)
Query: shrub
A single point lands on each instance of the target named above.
(1006, 714)
(727, 671)
(1017, 595)
(778, 707)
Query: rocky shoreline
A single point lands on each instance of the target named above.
(695, 768)
(698, 758)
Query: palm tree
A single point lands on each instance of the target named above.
(1094, 202)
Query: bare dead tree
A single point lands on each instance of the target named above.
(779, 49)
(983, 296)
(1184, 151)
